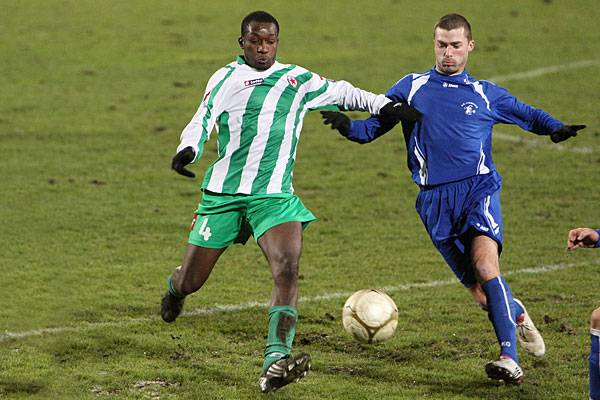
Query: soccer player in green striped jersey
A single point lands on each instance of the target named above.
(257, 106)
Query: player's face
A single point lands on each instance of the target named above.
(260, 45)
(452, 50)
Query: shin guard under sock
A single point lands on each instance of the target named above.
(282, 329)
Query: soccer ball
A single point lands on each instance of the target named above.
(370, 315)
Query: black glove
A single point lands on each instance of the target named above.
(338, 121)
(565, 132)
(401, 111)
(181, 159)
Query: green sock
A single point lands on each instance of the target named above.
(172, 290)
(282, 329)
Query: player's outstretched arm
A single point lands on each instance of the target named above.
(181, 159)
(509, 110)
(360, 131)
(565, 132)
(582, 237)
(365, 131)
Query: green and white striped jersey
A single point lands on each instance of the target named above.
(258, 116)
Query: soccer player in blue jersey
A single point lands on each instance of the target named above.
(586, 237)
(450, 156)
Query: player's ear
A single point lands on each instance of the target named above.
(471, 45)
(241, 42)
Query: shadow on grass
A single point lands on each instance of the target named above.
(447, 375)
(430, 384)
(13, 387)
(480, 388)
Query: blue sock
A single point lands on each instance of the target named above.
(595, 365)
(501, 309)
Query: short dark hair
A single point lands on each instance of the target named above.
(258, 16)
(454, 21)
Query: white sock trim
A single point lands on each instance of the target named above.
(595, 332)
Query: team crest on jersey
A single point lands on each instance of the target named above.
(253, 82)
(292, 81)
(469, 107)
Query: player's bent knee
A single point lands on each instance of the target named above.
(486, 272)
(285, 271)
(287, 260)
(596, 319)
(284, 257)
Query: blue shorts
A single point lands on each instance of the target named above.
(454, 212)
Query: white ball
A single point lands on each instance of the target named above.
(370, 315)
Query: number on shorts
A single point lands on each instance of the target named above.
(204, 230)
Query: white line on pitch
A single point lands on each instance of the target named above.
(532, 74)
(537, 143)
(543, 71)
(228, 308)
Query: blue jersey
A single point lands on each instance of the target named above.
(453, 141)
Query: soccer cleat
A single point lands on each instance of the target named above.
(506, 370)
(170, 307)
(283, 371)
(528, 335)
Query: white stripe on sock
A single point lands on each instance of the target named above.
(506, 301)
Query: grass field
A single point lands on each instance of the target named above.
(93, 97)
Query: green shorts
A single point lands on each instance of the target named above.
(223, 219)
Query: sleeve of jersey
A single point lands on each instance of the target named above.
(509, 110)
(198, 130)
(598, 242)
(367, 130)
(327, 94)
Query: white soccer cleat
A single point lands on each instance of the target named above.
(528, 335)
(506, 370)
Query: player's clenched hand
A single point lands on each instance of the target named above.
(582, 237)
(181, 159)
(565, 132)
(401, 111)
(338, 121)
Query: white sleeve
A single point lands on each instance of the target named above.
(198, 130)
(344, 95)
